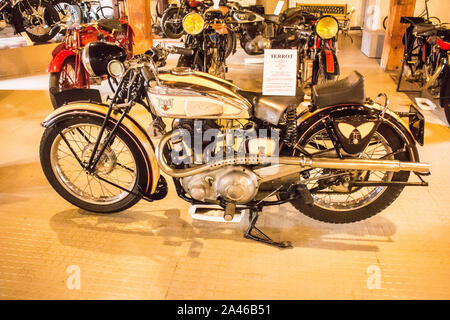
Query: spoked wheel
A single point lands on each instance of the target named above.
(38, 19)
(105, 12)
(172, 23)
(65, 151)
(72, 75)
(335, 200)
(69, 14)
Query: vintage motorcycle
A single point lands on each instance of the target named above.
(318, 61)
(314, 37)
(172, 18)
(426, 60)
(38, 19)
(264, 31)
(341, 160)
(66, 68)
(211, 41)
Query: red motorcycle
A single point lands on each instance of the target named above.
(66, 68)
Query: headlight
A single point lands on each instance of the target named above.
(116, 68)
(193, 23)
(98, 55)
(327, 27)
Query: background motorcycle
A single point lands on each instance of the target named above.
(259, 31)
(318, 62)
(210, 39)
(37, 18)
(66, 69)
(426, 60)
(172, 18)
(343, 160)
(80, 12)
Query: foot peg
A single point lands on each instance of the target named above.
(230, 210)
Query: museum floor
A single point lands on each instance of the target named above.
(156, 251)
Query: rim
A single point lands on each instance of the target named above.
(344, 199)
(68, 76)
(68, 14)
(34, 20)
(117, 165)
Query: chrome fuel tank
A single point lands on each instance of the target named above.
(193, 94)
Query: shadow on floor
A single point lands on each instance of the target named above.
(139, 232)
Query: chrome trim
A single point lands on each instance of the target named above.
(303, 163)
(86, 61)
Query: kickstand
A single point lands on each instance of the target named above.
(253, 217)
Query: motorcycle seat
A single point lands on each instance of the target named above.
(271, 108)
(349, 90)
(424, 28)
(110, 24)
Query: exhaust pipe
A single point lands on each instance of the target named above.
(302, 163)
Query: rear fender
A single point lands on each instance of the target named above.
(128, 125)
(58, 60)
(308, 120)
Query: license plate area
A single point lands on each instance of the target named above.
(417, 124)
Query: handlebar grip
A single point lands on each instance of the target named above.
(183, 51)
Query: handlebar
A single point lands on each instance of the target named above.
(180, 50)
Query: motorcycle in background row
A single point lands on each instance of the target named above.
(426, 60)
(211, 40)
(172, 18)
(66, 68)
(37, 18)
(314, 37)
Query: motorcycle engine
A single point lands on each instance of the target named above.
(258, 44)
(233, 184)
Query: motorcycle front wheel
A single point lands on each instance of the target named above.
(68, 145)
(337, 203)
(38, 19)
(71, 76)
(172, 23)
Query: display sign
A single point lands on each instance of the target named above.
(278, 8)
(280, 72)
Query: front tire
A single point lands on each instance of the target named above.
(348, 208)
(37, 19)
(171, 23)
(122, 164)
(445, 94)
(70, 76)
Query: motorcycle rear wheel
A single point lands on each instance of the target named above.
(41, 28)
(343, 206)
(170, 25)
(120, 164)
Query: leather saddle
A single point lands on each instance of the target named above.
(349, 90)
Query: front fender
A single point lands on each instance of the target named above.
(58, 60)
(308, 119)
(128, 125)
(330, 61)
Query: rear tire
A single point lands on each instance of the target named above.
(383, 199)
(445, 94)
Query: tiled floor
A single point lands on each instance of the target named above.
(156, 251)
